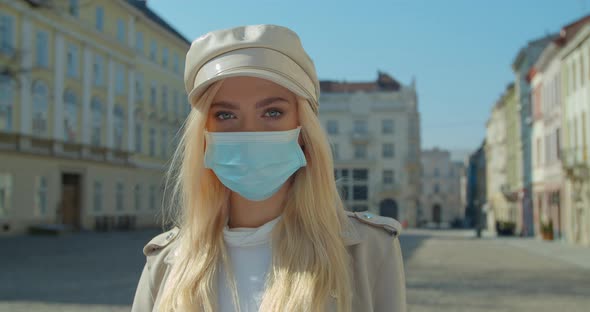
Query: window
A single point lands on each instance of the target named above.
(137, 197)
(360, 192)
(164, 99)
(176, 104)
(581, 70)
(6, 99)
(74, 8)
(152, 142)
(98, 70)
(165, 57)
(119, 126)
(163, 143)
(139, 87)
(360, 151)
(388, 177)
(388, 151)
(436, 172)
(41, 49)
(70, 116)
(5, 193)
(97, 198)
(153, 50)
(436, 188)
(574, 84)
(332, 126)
(153, 94)
(176, 62)
(558, 142)
(72, 60)
(387, 126)
(40, 95)
(100, 18)
(139, 42)
(97, 118)
(152, 197)
(119, 196)
(120, 79)
(121, 30)
(360, 126)
(360, 174)
(41, 196)
(138, 138)
(6, 34)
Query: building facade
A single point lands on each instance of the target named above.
(374, 128)
(496, 149)
(547, 171)
(91, 97)
(575, 70)
(512, 188)
(441, 195)
(521, 66)
(475, 214)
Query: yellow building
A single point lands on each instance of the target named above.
(91, 98)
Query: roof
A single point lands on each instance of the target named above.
(570, 30)
(141, 5)
(542, 42)
(384, 82)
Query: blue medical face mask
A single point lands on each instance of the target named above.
(254, 164)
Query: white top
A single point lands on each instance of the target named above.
(249, 251)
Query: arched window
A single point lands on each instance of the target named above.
(119, 126)
(6, 99)
(40, 96)
(70, 116)
(97, 121)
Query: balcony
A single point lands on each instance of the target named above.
(574, 162)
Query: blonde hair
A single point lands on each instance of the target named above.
(310, 263)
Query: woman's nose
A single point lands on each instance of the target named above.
(251, 124)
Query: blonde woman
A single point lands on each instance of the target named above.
(258, 221)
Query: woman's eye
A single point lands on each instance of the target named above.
(273, 113)
(224, 115)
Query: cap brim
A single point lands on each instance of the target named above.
(254, 62)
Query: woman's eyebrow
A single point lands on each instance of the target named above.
(269, 101)
(225, 104)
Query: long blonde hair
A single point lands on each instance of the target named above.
(310, 263)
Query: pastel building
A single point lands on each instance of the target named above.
(374, 128)
(91, 98)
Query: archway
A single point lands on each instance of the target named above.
(388, 208)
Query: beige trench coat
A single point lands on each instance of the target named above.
(372, 241)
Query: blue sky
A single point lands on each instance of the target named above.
(460, 51)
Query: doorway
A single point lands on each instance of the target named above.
(70, 200)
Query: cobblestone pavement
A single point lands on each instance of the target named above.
(446, 271)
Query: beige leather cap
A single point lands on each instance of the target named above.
(269, 52)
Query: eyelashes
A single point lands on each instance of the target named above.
(271, 113)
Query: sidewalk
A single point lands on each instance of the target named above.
(557, 250)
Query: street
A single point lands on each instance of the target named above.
(446, 271)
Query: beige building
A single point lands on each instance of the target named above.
(575, 61)
(441, 189)
(91, 98)
(375, 132)
(547, 170)
(498, 207)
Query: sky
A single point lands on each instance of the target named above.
(459, 51)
